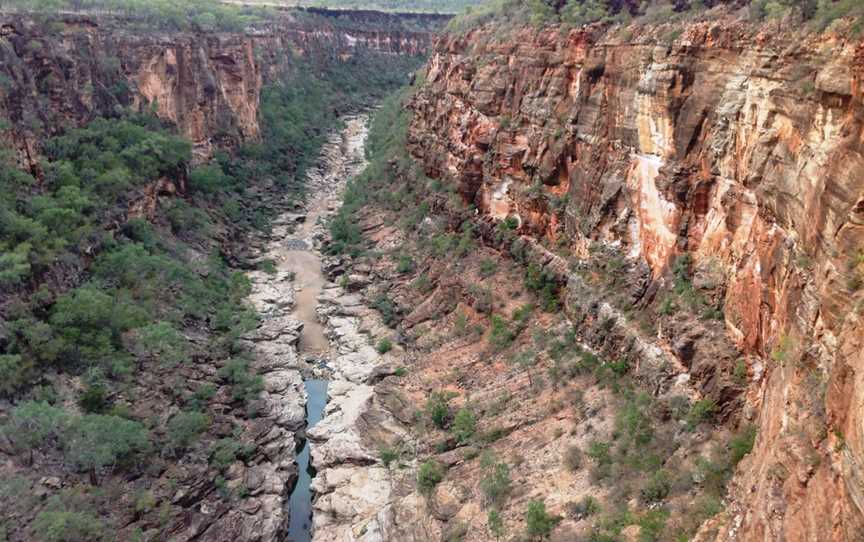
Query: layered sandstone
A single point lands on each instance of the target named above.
(737, 144)
(208, 84)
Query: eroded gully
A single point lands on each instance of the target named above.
(314, 327)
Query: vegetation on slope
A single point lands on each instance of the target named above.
(161, 14)
(658, 462)
(111, 325)
(819, 14)
(425, 6)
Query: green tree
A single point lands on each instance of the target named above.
(464, 425)
(539, 523)
(34, 425)
(245, 385)
(438, 409)
(15, 264)
(495, 524)
(160, 340)
(15, 373)
(185, 428)
(96, 441)
(495, 482)
(429, 475)
(61, 525)
(91, 321)
(580, 12)
(209, 179)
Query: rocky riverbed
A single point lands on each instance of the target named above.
(313, 328)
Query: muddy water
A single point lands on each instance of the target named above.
(299, 255)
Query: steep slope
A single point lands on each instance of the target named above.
(71, 69)
(151, 381)
(724, 151)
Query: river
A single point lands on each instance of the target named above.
(298, 256)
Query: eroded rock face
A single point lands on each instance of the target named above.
(736, 144)
(207, 84)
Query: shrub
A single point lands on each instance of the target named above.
(15, 373)
(438, 409)
(587, 507)
(701, 411)
(94, 398)
(573, 458)
(742, 444)
(482, 298)
(388, 455)
(384, 346)
(67, 526)
(225, 451)
(488, 267)
(600, 452)
(495, 482)
(389, 311)
(33, 425)
(405, 264)
(652, 525)
(633, 420)
(500, 335)
(656, 488)
(495, 524)
(245, 385)
(538, 522)
(185, 428)
(160, 340)
(209, 179)
(464, 425)
(429, 475)
(94, 441)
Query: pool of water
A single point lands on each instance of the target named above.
(300, 504)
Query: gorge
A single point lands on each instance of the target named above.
(548, 270)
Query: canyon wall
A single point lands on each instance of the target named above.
(72, 69)
(738, 145)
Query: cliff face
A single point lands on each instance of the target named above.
(740, 146)
(68, 72)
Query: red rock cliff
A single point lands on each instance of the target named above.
(739, 145)
(208, 84)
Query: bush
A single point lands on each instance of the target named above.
(429, 475)
(15, 372)
(94, 398)
(438, 409)
(500, 336)
(656, 488)
(587, 507)
(573, 458)
(95, 441)
(160, 340)
(245, 385)
(495, 482)
(538, 522)
(701, 411)
(388, 455)
(742, 444)
(67, 526)
(405, 264)
(488, 267)
(495, 524)
(389, 311)
(209, 179)
(185, 428)
(33, 425)
(225, 451)
(464, 425)
(384, 346)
